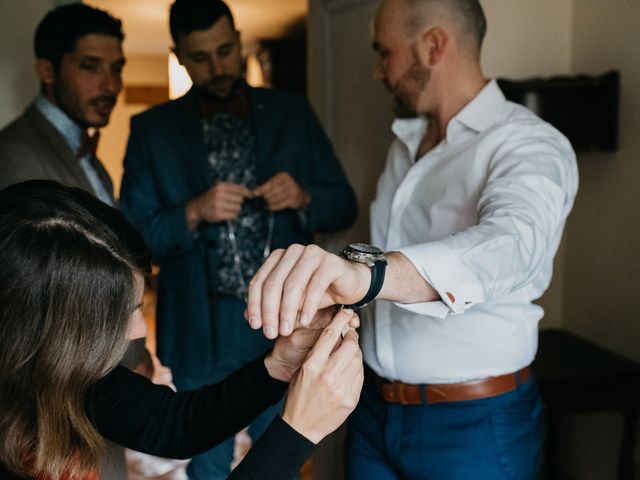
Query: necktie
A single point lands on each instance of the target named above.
(88, 144)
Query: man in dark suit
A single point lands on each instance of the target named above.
(79, 62)
(215, 180)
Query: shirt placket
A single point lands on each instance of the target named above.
(395, 239)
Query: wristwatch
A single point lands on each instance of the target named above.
(374, 258)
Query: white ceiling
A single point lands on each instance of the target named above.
(146, 22)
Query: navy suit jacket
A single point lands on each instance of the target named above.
(166, 166)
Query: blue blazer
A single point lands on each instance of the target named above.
(166, 166)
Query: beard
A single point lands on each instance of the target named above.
(407, 90)
(212, 88)
(78, 111)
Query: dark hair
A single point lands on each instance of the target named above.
(61, 28)
(67, 290)
(187, 16)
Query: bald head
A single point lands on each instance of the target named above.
(466, 17)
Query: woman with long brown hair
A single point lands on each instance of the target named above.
(71, 283)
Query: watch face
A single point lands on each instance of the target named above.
(365, 248)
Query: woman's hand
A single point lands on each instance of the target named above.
(289, 352)
(326, 387)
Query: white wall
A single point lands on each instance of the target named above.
(604, 269)
(526, 38)
(602, 278)
(18, 81)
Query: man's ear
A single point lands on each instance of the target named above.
(45, 71)
(432, 45)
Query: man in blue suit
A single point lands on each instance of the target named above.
(215, 180)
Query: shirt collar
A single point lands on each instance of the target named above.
(410, 132)
(478, 115)
(70, 130)
(481, 112)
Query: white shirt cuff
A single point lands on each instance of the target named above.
(440, 267)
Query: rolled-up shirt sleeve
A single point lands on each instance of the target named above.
(529, 191)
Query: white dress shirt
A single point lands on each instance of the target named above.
(480, 216)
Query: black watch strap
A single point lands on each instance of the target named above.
(377, 280)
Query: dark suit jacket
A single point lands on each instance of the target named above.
(31, 148)
(166, 166)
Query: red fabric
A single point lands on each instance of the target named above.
(89, 144)
(92, 475)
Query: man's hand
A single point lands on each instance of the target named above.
(326, 387)
(289, 352)
(293, 284)
(281, 192)
(221, 202)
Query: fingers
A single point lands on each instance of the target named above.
(279, 310)
(323, 317)
(229, 196)
(325, 269)
(326, 387)
(280, 200)
(233, 189)
(281, 192)
(330, 335)
(345, 356)
(354, 376)
(273, 184)
(228, 193)
(223, 201)
(304, 337)
(254, 295)
(291, 286)
(293, 303)
(226, 209)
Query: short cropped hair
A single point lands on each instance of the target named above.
(187, 16)
(62, 27)
(467, 14)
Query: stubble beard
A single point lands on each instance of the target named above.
(209, 89)
(406, 92)
(71, 105)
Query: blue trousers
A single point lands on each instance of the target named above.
(235, 345)
(497, 438)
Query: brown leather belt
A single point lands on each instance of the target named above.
(409, 394)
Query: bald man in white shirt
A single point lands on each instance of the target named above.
(470, 208)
